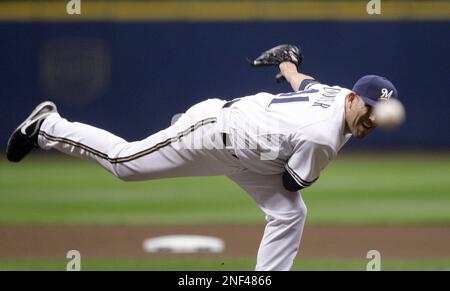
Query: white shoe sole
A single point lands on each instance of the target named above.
(31, 118)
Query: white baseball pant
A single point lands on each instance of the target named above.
(192, 146)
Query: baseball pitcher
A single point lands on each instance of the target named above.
(270, 145)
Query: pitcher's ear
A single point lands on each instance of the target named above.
(351, 97)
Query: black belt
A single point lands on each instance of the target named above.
(226, 142)
(225, 136)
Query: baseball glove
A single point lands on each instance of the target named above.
(277, 55)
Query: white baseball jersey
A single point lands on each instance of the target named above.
(300, 132)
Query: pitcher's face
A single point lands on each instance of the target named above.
(359, 116)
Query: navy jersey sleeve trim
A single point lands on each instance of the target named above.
(290, 177)
(289, 183)
(307, 82)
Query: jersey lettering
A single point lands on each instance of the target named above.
(328, 96)
(293, 97)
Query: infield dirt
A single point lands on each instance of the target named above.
(240, 240)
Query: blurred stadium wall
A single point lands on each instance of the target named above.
(129, 66)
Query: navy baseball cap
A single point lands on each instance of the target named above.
(373, 88)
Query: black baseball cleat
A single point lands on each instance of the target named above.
(24, 138)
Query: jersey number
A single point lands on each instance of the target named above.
(293, 97)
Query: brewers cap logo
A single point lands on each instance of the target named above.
(385, 94)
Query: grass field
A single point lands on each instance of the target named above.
(234, 264)
(355, 189)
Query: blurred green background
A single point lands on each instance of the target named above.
(355, 189)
